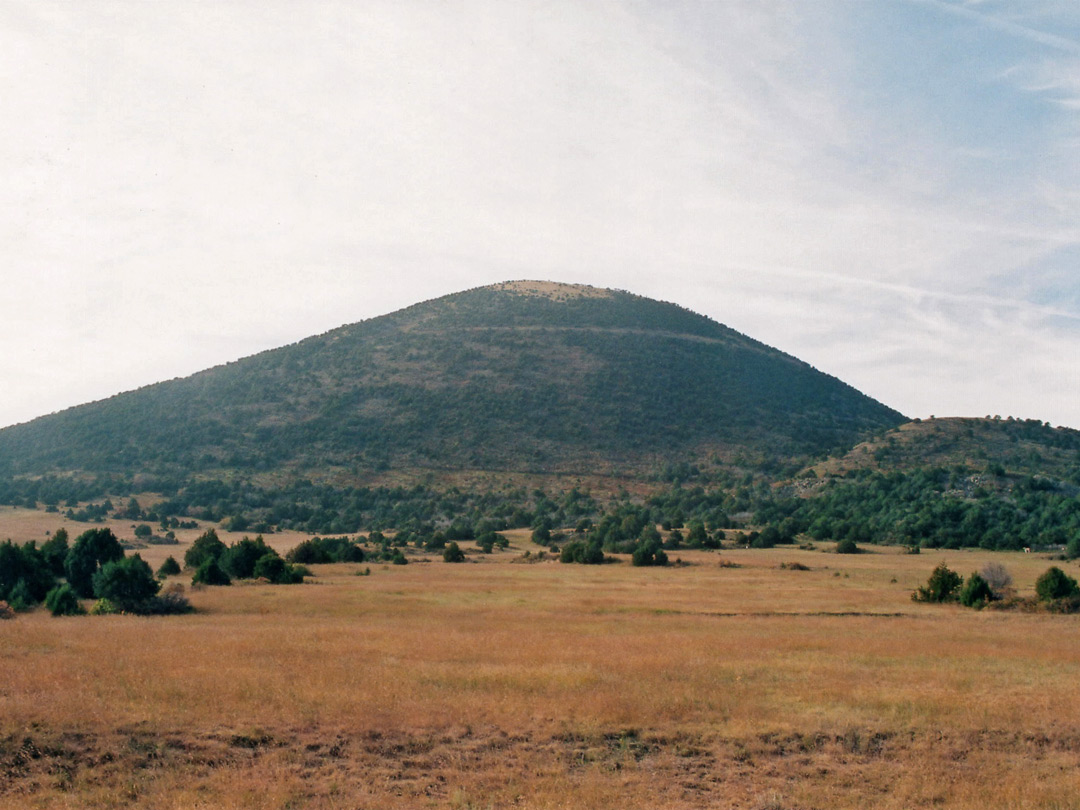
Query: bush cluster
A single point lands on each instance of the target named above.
(581, 551)
(1058, 591)
(218, 564)
(942, 586)
(1054, 589)
(647, 554)
(94, 567)
(319, 550)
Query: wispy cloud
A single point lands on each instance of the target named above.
(971, 12)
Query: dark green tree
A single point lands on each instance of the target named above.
(169, 568)
(648, 554)
(20, 599)
(55, 550)
(942, 586)
(696, 536)
(582, 551)
(328, 550)
(210, 573)
(542, 534)
(28, 566)
(132, 511)
(240, 558)
(1055, 584)
(453, 553)
(768, 538)
(207, 546)
(63, 601)
(847, 546)
(976, 592)
(1072, 548)
(128, 583)
(93, 549)
(271, 567)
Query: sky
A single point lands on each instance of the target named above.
(887, 190)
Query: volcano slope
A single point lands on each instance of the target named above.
(520, 376)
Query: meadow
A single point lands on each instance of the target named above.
(725, 682)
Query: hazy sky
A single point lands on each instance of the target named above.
(888, 190)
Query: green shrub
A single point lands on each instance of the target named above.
(103, 607)
(310, 552)
(326, 550)
(579, 551)
(435, 542)
(976, 592)
(55, 549)
(25, 575)
(1055, 584)
(460, 530)
(453, 553)
(63, 601)
(169, 568)
(674, 540)
(488, 541)
(697, 536)
(1072, 548)
(239, 559)
(93, 549)
(206, 547)
(272, 567)
(210, 573)
(648, 554)
(942, 586)
(765, 539)
(126, 583)
(399, 558)
(847, 546)
(20, 598)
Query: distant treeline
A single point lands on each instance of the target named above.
(934, 508)
(928, 507)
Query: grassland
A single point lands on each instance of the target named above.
(503, 683)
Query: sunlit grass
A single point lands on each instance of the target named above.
(517, 676)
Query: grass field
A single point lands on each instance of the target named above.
(502, 683)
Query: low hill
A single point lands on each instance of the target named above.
(994, 483)
(1016, 447)
(521, 376)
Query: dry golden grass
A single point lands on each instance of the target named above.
(501, 684)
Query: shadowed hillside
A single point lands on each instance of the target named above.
(531, 376)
